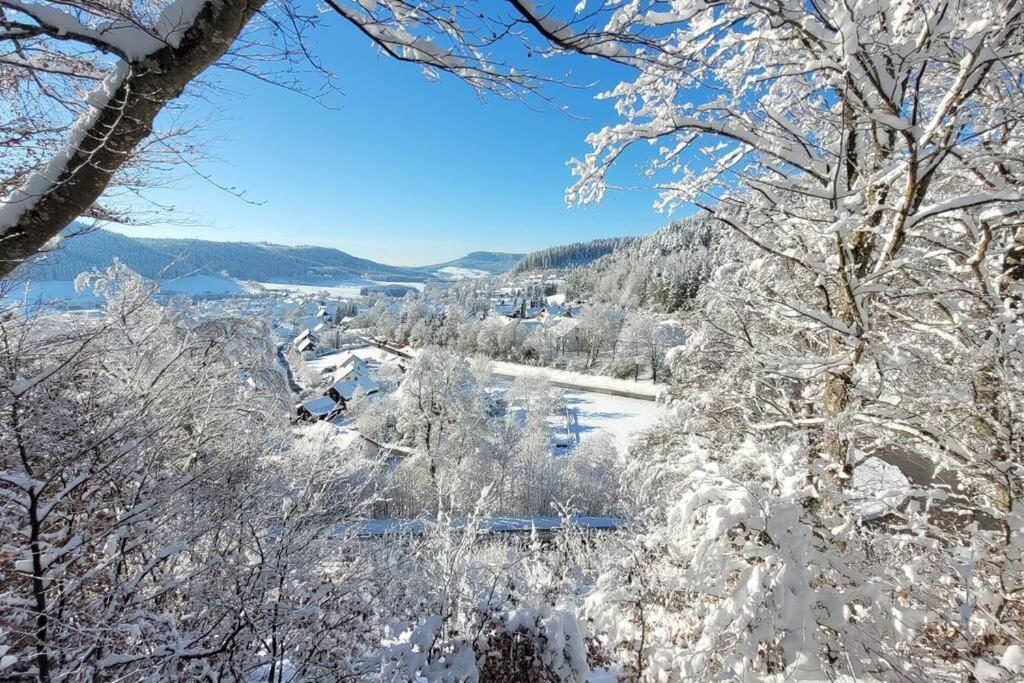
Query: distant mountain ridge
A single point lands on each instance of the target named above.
(493, 262)
(83, 249)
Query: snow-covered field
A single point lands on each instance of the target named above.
(341, 289)
(593, 414)
(642, 390)
(456, 273)
(201, 284)
(620, 417)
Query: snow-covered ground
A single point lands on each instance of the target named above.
(620, 417)
(341, 289)
(568, 379)
(592, 414)
(456, 273)
(201, 284)
(368, 353)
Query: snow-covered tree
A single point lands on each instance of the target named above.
(865, 157)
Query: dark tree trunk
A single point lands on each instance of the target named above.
(126, 120)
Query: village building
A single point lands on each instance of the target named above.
(322, 408)
(549, 312)
(305, 341)
(348, 384)
(352, 361)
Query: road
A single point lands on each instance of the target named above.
(922, 474)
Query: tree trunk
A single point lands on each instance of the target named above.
(113, 134)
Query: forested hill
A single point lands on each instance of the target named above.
(84, 249)
(661, 271)
(570, 255)
(493, 262)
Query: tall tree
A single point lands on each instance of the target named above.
(89, 78)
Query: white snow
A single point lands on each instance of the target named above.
(620, 417)
(597, 413)
(336, 360)
(456, 273)
(881, 487)
(63, 291)
(201, 284)
(578, 380)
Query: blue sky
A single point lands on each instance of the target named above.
(400, 170)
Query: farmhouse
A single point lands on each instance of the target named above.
(351, 362)
(549, 312)
(347, 384)
(305, 341)
(322, 408)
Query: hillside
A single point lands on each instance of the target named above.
(484, 262)
(661, 271)
(570, 255)
(83, 249)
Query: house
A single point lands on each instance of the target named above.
(347, 384)
(565, 334)
(305, 341)
(322, 408)
(549, 312)
(352, 361)
(502, 308)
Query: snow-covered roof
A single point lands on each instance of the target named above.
(350, 369)
(351, 361)
(563, 326)
(305, 344)
(352, 383)
(554, 311)
(320, 406)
